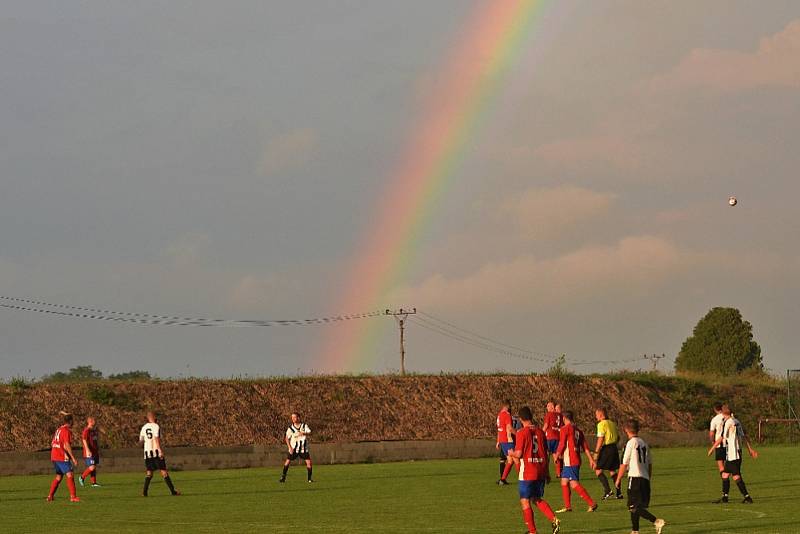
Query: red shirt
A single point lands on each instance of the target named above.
(571, 443)
(503, 420)
(533, 460)
(553, 422)
(57, 447)
(90, 435)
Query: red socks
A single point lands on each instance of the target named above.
(71, 486)
(546, 510)
(567, 497)
(54, 487)
(507, 470)
(87, 473)
(527, 515)
(580, 490)
(94, 477)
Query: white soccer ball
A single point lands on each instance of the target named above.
(732, 201)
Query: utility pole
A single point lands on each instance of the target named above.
(654, 358)
(401, 315)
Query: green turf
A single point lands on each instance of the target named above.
(437, 496)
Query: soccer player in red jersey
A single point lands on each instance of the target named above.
(552, 423)
(91, 452)
(570, 445)
(505, 439)
(534, 471)
(62, 458)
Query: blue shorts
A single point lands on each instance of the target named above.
(505, 448)
(531, 489)
(572, 472)
(552, 445)
(62, 468)
(94, 460)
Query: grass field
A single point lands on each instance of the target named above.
(428, 497)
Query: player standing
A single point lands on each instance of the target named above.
(570, 445)
(297, 441)
(150, 437)
(733, 435)
(91, 452)
(606, 451)
(715, 433)
(638, 463)
(551, 426)
(534, 471)
(62, 458)
(505, 439)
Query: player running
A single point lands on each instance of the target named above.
(606, 452)
(505, 440)
(570, 445)
(150, 437)
(91, 452)
(551, 426)
(733, 436)
(715, 433)
(62, 458)
(297, 441)
(534, 471)
(639, 465)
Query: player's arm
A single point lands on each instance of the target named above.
(509, 432)
(622, 469)
(562, 444)
(715, 445)
(288, 443)
(158, 446)
(588, 452)
(750, 449)
(68, 451)
(86, 450)
(599, 444)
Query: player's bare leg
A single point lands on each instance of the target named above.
(286, 465)
(309, 469)
(168, 482)
(148, 476)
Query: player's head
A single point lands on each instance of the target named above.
(568, 416)
(558, 407)
(726, 410)
(631, 427)
(506, 405)
(550, 406)
(295, 417)
(600, 414)
(525, 414)
(718, 407)
(66, 417)
(151, 417)
(90, 422)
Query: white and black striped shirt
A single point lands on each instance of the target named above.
(297, 437)
(148, 435)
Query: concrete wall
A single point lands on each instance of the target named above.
(200, 458)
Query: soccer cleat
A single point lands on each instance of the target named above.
(80, 481)
(592, 508)
(607, 496)
(721, 500)
(563, 510)
(310, 481)
(282, 480)
(74, 499)
(49, 498)
(176, 493)
(659, 524)
(96, 485)
(556, 526)
(619, 495)
(747, 500)
(502, 482)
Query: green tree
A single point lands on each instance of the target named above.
(722, 343)
(81, 372)
(131, 375)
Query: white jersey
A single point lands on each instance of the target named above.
(716, 426)
(637, 458)
(734, 436)
(148, 435)
(298, 437)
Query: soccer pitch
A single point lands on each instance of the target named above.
(452, 496)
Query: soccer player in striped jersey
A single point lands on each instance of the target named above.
(150, 437)
(91, 452)
(639, 465)
(62, 458)
(606, 452)
(505, 440)
(296, 439)
(715, 433)
(571, 444)
(733, 436)
(534, 472)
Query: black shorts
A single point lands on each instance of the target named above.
(608, 458)
(155, 464)
(295, 455)
(719, 454)
(638, 492)
(733, 467)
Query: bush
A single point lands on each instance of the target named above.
(19, 384)
(76, 374)
(559, 371)
(131, 376)
(108, 397)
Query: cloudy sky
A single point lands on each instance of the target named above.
(224, 159)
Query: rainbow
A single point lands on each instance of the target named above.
(474, 72)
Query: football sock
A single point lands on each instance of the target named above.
(86, 473)
(54, 486)
(506, 470)
(71, 486)
(635, 521)
(147, 480)
(726, 486)
(567, 497)
(742, 487)
(604, 482)
(93, 476)
(527, 515)
(644, 512)
(168, 481)
(546, 510)
(502, 467)
(580, 490)
(309, 469)
(285, 470)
